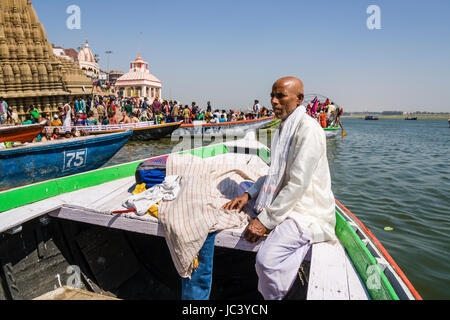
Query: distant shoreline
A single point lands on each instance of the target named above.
(419, 117)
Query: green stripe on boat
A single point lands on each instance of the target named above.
(374, 279)
(11, 199)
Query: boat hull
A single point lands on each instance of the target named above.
(143, 131)
(43, 161)
(237, 128)
(332, 132)
(21, 134)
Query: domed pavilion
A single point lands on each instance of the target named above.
(139, 82)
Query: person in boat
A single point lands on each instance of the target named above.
(75, 133)
(3, 110)
(339, 113)
(56, 122)
(80, 120)
(125, 118)
(91, 121)
(134, 118)
(294, 202)
(55, 134)
(214, 119)
(256, 107)
(323, 119)
(67, 116)
(156, 106)
(35, 116)
(111, 111)
(186, 114)
(175, 112)
(128, 108)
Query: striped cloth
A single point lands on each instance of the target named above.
(206, 185)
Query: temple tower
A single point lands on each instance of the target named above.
(30, 73)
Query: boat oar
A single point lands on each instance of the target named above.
(342, 128)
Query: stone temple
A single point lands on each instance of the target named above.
(30, 73)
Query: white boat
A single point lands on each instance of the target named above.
(50, 229)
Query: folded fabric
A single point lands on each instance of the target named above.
(208, 183)
(168, 191)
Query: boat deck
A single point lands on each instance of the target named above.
(332, 275)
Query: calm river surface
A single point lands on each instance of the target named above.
(389, 173)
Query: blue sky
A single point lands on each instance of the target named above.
(230, 52)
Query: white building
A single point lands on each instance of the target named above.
(88, 63)
(139, 82)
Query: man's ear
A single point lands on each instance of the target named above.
(300, 97)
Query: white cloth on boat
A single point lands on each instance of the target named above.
(206, 186)
(279, 258)
(305, 192)
(168, 191)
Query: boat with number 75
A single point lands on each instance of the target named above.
(31, 163)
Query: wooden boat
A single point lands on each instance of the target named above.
(235, 128)
(329, 132)
(332, 131)
(371, 118)
(64, 228)
(142, 131)
(411, 118)
(23, 133)
(48, 160)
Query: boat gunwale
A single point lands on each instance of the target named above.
(382, 251)
(191, 125)
(115, 128)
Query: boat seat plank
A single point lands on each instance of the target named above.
(15, 217)
(332, 276)
(97, 195)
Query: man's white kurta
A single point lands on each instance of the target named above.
(305, 194)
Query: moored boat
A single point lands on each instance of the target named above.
(411, 118)
(371, 118)
(142, 131)
(329, 132)
(21, 133)
(35, 162)
(235, 128)
(127, 262)
(332, 131)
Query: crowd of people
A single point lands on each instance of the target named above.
(327, 113)
(112, 110)
(106, 110)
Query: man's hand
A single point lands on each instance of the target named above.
(254, 231)
(237, 203)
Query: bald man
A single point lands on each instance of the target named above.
(294, 201)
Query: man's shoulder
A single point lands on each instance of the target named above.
(310, 126)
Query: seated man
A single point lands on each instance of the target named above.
(126, 118)
(56, 122)
(294, 202)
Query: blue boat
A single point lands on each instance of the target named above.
(38, 162)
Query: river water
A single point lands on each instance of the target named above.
(389, 173)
